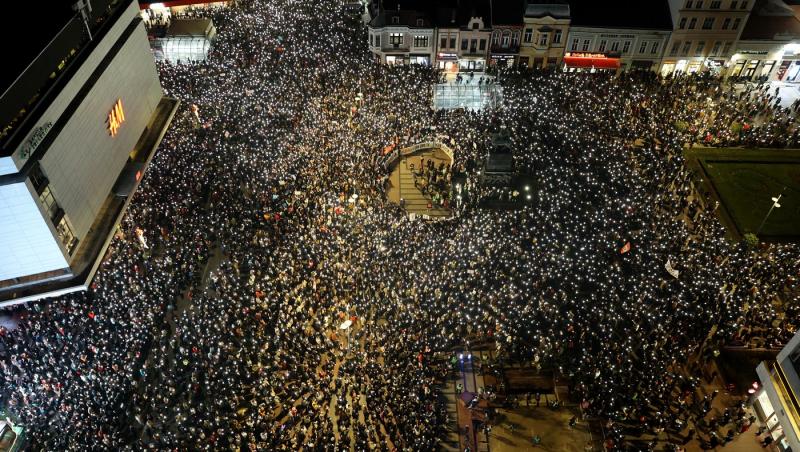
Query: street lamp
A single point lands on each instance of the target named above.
(775, 204)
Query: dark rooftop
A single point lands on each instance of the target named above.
(771, 19)
(634, 14)
(40, 24)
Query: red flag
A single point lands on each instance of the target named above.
(625, 248)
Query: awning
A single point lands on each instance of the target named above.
(592, 62)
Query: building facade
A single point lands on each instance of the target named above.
(507, 26)
(402, 33)
(769, 48)
(475, 31)
(775, 399)
(68, 168)
(704, 34)
(544, 35)
(614, 49)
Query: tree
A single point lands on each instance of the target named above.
(750, 240)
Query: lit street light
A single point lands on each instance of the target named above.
(775, 205)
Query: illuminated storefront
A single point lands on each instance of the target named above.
(448, 62)
(775, 396)
(591, 62)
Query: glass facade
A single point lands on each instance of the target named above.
(179, 49)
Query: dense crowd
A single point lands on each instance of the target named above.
(266, 231)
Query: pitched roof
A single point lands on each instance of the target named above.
(634, 14)
(553, 8)
(771, 19)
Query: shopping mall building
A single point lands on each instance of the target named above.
(776, 398)
(80, 120)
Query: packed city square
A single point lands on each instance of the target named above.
(271, 179)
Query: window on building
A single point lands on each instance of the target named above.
(543, 39)
(602, 46)
(626, 47)
(744, 5)
(453, 41)
(586, 43)
(557, 37)
(689, 4)
(574, 46)
(482, 45)
(708, 23)
(38, 179)
(692, 23)
(715, 49)
(506, 39)
(615, 46)
(700, 47)
(736, 23)
(496, 38)
(643, 47)
(716, 4)
(682, 23)
(475, 25)
(396, 39)
(443, 43)
(370, 40)
(726, 23)
(654, 48)
(727, 49)
(48, 202)
(734, 3)
(528, 35)
(395, 20)
(420, 22)
(473, 45)
(687, 46)
(675, 48)
(66, 235)
(464, 44)
(420, 41)
(515, 39)
(699, 4)
(377, 40)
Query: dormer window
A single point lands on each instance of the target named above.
(395, 20)
(420, 22)
(475, 25)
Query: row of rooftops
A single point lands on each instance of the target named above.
(770, 19)
(645, 14)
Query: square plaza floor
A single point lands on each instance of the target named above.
(472, 93)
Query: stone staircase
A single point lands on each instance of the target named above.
(415, 201)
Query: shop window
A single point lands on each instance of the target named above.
(692, 23)
(726, 23)
(643, 47)
(528, 35)
(557, 37)
(708, 23)
(654, 48)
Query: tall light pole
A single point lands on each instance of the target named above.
(775, 204)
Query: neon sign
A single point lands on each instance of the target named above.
(115, 118)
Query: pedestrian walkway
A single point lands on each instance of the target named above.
(471, 93)
(402, 184)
